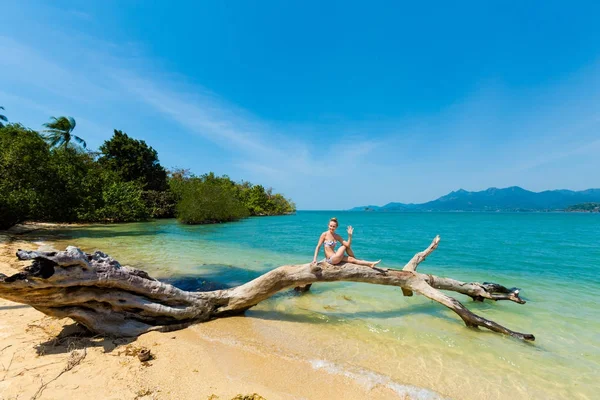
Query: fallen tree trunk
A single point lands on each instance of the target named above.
(107, 298)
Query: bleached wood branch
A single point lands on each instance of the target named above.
(96, 291)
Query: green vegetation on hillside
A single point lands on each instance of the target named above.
(52, 177)
(584, 207)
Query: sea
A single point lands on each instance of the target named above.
(374, 334)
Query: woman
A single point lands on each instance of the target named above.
(329, 239)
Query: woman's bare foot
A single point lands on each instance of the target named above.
(373, 264)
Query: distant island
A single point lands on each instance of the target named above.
(512, 199)
(584, 207)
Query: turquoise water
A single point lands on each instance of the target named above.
(372, 331)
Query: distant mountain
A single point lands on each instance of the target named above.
(493, 199)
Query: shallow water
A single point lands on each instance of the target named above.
(375, 334)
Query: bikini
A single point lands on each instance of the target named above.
(329, 243)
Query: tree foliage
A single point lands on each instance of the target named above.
(211, 198)
(133, 160)
(122, 202)
(24, 162)
(2, 118)
(160, 204)
(584, 207)
(64, 184)
(75, 184)
(261, 201)
(60, 132)
(44, 178)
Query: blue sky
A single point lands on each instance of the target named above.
(334, 104)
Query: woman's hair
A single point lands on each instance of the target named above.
(334, 219)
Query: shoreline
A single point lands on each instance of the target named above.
(363, 337)
(36, 349)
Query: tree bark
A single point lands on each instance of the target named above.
(107, 298)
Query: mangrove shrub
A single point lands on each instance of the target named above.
(204, 200)
(24, 163)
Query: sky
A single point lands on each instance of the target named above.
(334, 104)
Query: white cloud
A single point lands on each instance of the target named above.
(267, 151)
(200, 113)
(276, 155)
(27, 66)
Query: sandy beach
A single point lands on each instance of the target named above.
(42, 357)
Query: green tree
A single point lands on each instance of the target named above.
(122, 203)
(208, 199)
(177, 181)
(133, 160)
(261, 201)
(281, 205)
(2, 118)
(160, 204)
(77, 185)
(24, 166)
(60, 132)
(257, 200)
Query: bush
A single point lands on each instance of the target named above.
(279, 205)
(24, 185)
(122, 203)
(259, 201)
(76, 181)
(208, 201)
(160, 204)
(11, 212)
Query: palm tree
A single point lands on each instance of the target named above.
(2, 118)
(60, 132)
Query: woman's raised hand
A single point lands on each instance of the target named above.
(350, 230)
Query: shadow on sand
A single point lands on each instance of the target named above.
(76, 336)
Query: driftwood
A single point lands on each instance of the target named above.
(107, 298)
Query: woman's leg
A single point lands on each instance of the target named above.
(350, 252)
(338, 256)
(362, 262)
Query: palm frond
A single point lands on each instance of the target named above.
(53, 131)
(2, 118)
(51, 125)
(55, 139)
(63, 124)
(61, 127)
(59, 132)
(80, 141)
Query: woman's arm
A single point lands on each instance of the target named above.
(321, 239)
(348, 242)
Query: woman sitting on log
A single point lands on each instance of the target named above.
(329, 240)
